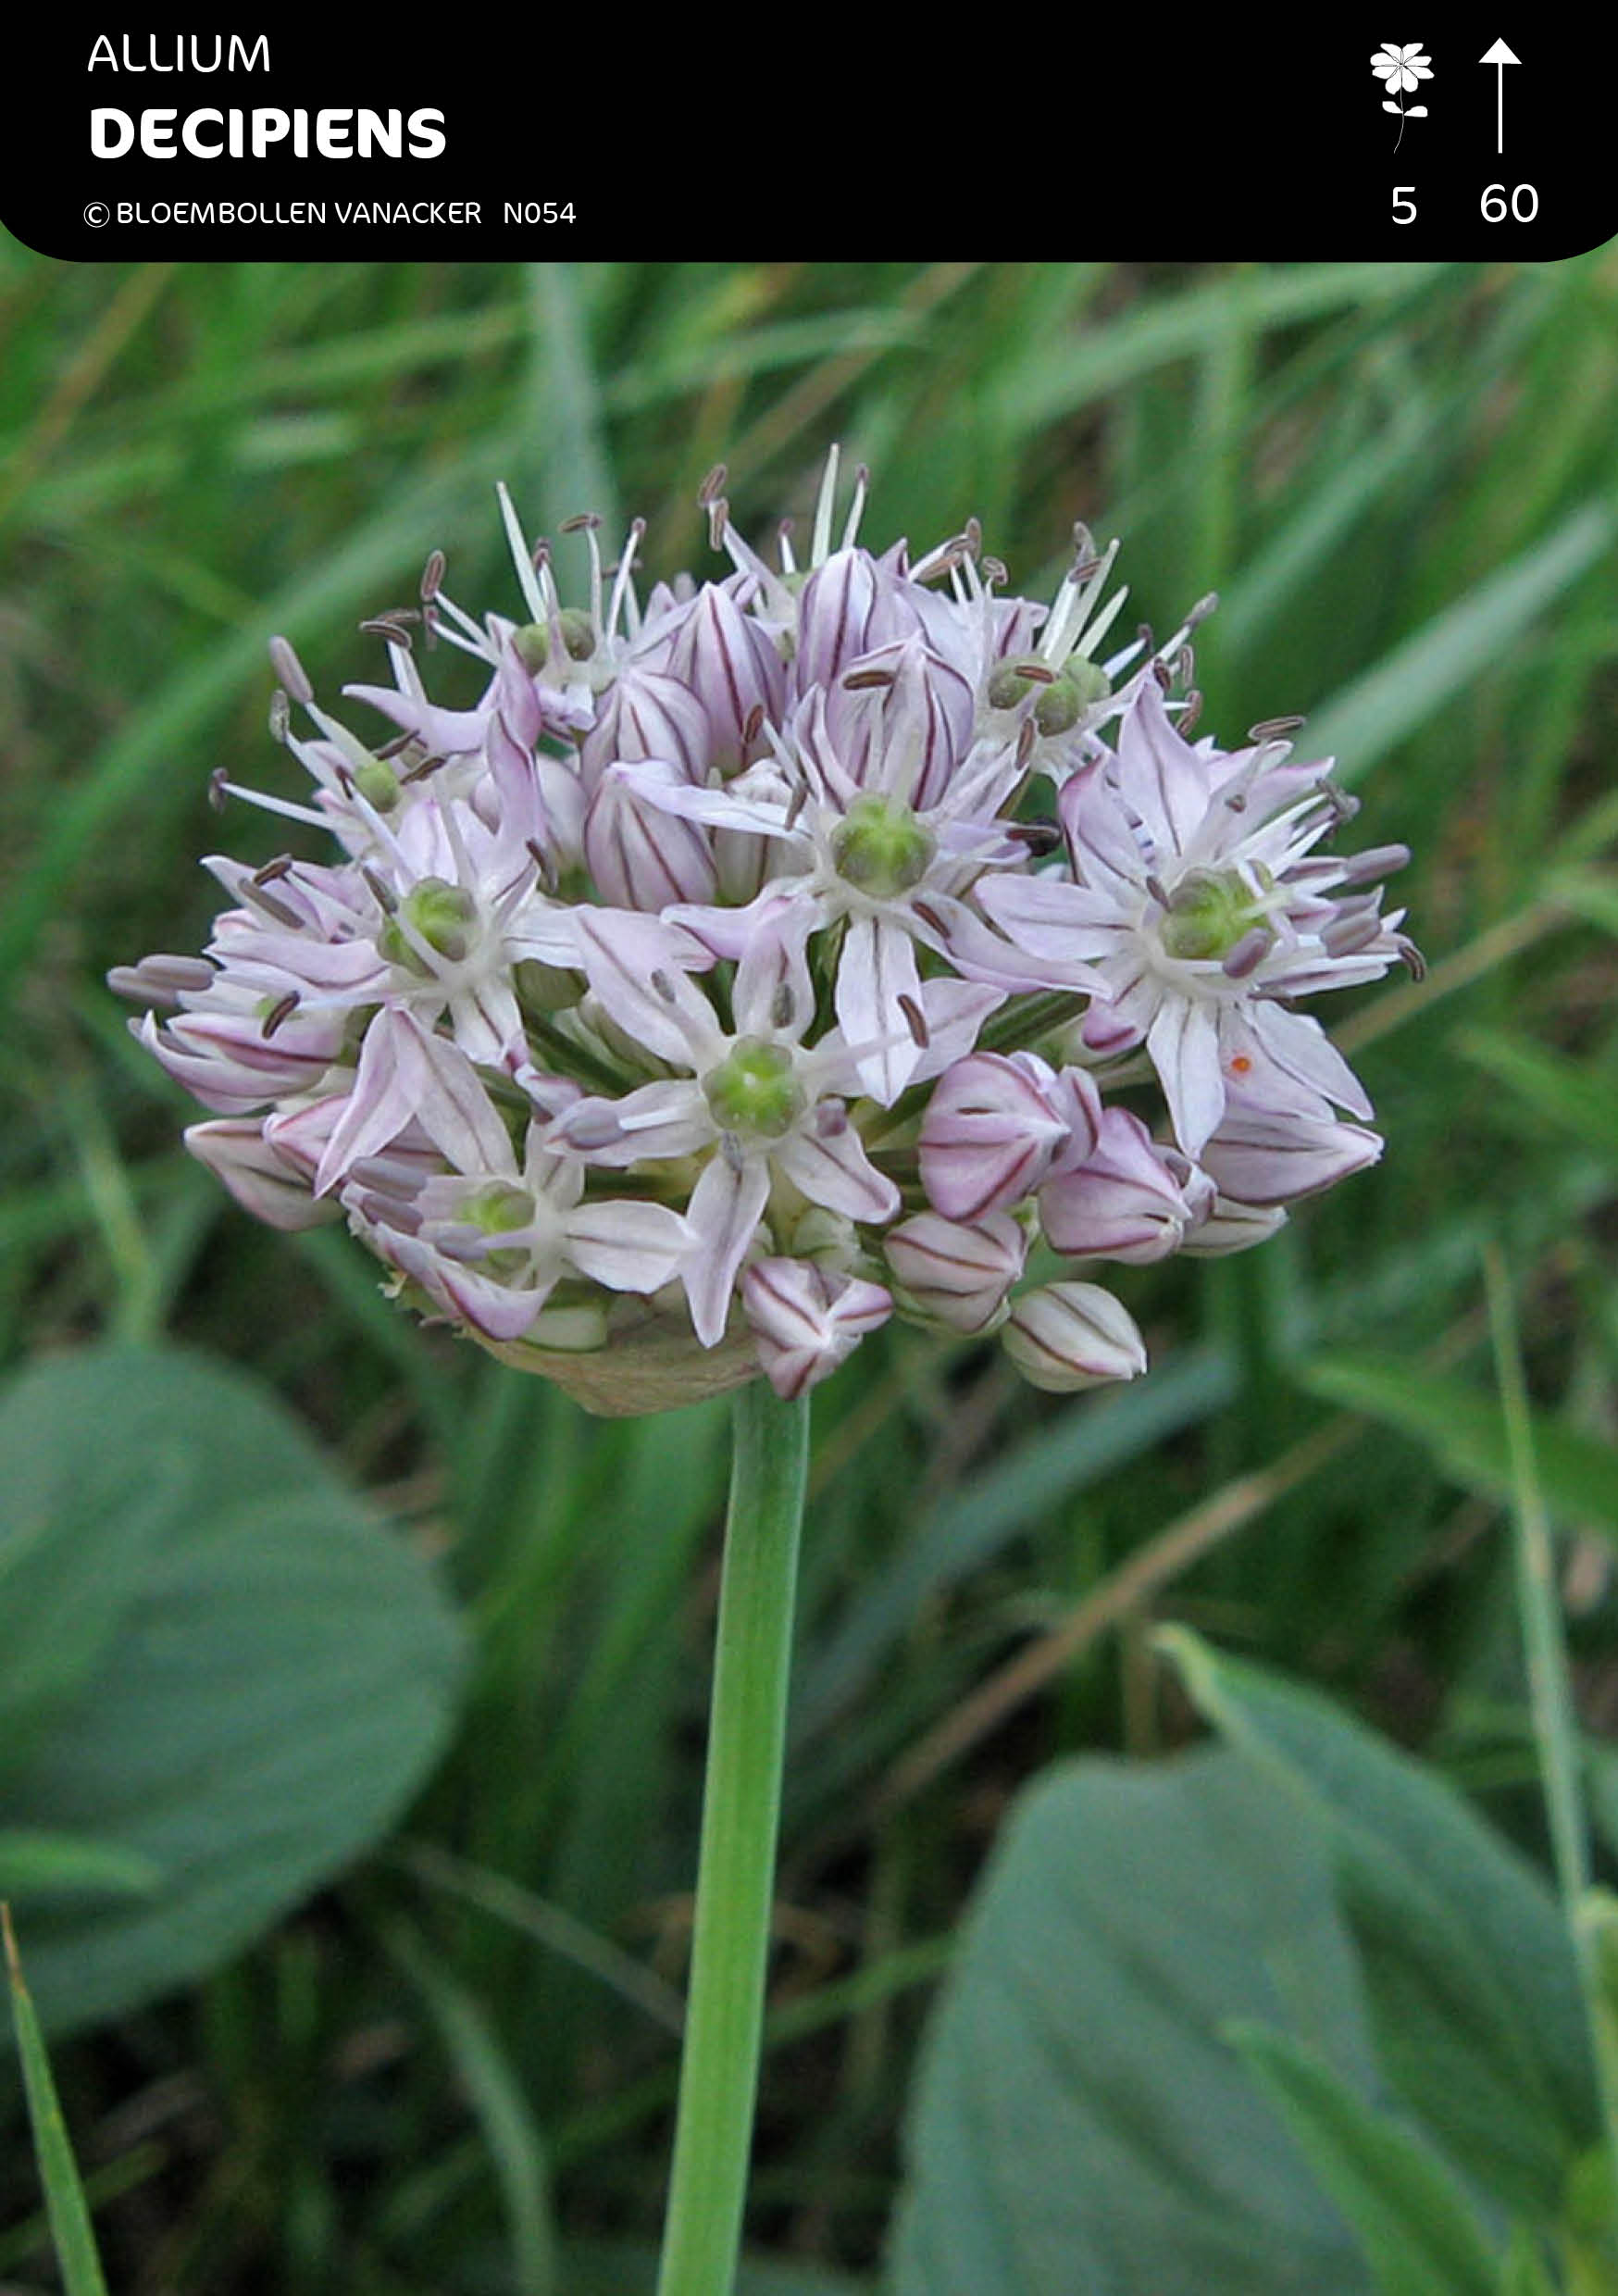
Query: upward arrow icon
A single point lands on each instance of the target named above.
(1499, 56)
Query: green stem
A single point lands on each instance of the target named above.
(742, 1804)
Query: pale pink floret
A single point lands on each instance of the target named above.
(1176, 851)
(958, 1272)
(1069, 1336)
(806, 1321)
(1127, 1198)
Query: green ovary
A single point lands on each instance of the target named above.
(881, 849)
(754, 1093)
(498, 1210)
(1208, 914)
(1062, 701)
(442, 914)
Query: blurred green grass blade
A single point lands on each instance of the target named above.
(147, 740)
(1466, 1430)
(576, 471)
(69, 2214)
(1556, 1726)
(1419, 2235)
(1377, 712)
(1152, 333)
(1590, 893)
(36, 1864)
(989, 1512)
(495, 2095)
(1551, 1087)
(740, 353)
(1305, 544)
(550, 1925)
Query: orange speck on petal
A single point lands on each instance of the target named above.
(1239, 1063)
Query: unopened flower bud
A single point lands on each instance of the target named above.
(1262, 1155)
(236, 1152)
(806, 1322)
(648, 714)
(990, 1134)
(1232, 1227)
(1069, 1336)
(728, 663)
(958, 1272)
(640, 856)
(1128, 1199)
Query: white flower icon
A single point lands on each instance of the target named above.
(1402, 68)
(1401, 71)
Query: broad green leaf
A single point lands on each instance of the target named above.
(1465, 1429)
(1079, 2122)
(71, 2230)
(279, 1673)
(1421, 2236)
(1469, 1973)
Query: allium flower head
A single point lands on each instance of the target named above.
(711, 990)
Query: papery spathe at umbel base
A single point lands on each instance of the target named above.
(779, 956)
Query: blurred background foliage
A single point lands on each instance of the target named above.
(1403, 480)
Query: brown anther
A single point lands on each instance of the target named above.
(712, 487)
(1411, 957)
(860, 680)
(1162, 674)
(800, 799)
(395, 748)
(583, 522)
(1039, 837)
(993, 572)
(930, 918)
(662, 986)
(1191, 711)
(1036, 673)
(216, 790)
(278, 1013)
(753, 725)
(1272, 729)
(783, 1004)
(915, 1020)
(419, 772)
(1026, 737)
(381, 892)
(433, 575)
(273, 869)
(1082, 568)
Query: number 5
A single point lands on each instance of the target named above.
(1404, 202)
